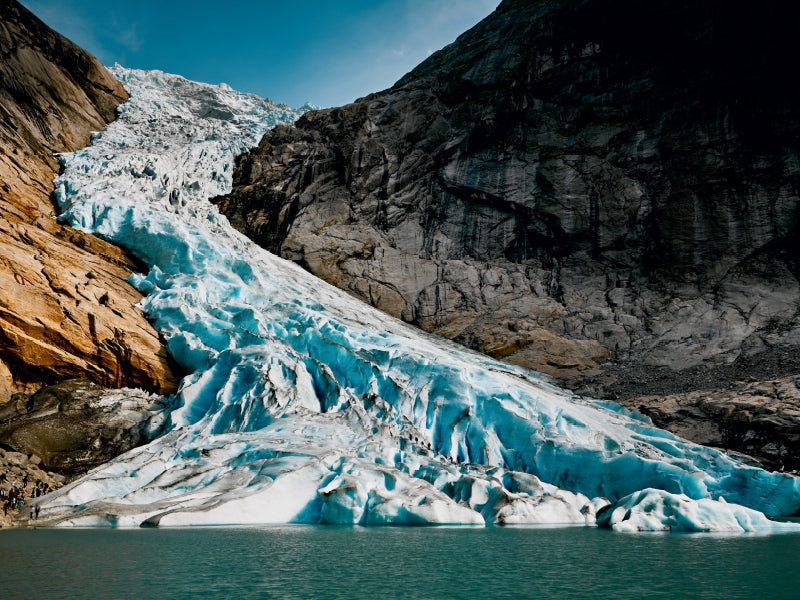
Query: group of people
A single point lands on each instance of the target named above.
(13, 497)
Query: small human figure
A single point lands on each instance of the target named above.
(32, 511)
(37, 511)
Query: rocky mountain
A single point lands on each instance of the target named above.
(66, 308)
(606, 192)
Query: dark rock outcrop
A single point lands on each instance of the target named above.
(76, 425)
(66, 308)
(586, 188)
(759, 419)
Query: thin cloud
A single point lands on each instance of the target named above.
(424, 26)
(330, 60)
(439, 21)
(127, 36)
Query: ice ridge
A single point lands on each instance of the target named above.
(303, 405)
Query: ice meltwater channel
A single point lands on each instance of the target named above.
(301, 404)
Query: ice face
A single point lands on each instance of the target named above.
(303, 405)
(657, 510)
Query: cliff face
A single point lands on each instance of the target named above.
(66, 309)
(606, 192)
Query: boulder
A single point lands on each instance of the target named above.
(75, 425)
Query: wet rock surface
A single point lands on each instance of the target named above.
(76, 425)
(66, 308)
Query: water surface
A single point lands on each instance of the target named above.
(415, 563)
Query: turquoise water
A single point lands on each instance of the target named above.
(415, 563)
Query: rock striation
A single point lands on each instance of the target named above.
(606, 192)
(66, 308)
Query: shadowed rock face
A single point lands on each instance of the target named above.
(603, 191)
(760, 419)
(75, 425)
(66, 309)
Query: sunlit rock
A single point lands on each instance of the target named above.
(66, 307)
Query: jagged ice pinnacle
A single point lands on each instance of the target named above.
(301, 404)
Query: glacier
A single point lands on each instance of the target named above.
(300, 404)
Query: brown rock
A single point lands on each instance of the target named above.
(66, 308)
(739, 418)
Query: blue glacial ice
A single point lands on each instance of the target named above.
(303, 405)
(657, 510)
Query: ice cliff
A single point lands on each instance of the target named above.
(301, 404)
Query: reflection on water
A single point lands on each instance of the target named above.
(415, 563)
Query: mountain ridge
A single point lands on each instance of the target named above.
(301, 405)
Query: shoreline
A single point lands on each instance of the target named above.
(15, 468)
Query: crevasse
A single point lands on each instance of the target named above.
(303, 405)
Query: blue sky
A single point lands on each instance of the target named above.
(327, 52)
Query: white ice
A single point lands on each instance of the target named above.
(303, 405)
(657, 510)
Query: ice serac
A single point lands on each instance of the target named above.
(66, 307)
(657, 510)
(301, 404)
(605, 191)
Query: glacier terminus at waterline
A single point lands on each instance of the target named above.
(303, 405)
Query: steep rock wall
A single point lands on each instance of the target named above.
(66, 308)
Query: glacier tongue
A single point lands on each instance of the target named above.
(303, 405)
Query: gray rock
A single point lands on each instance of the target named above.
(76, 425)
(603, 191)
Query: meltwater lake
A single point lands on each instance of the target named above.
(304, 562)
